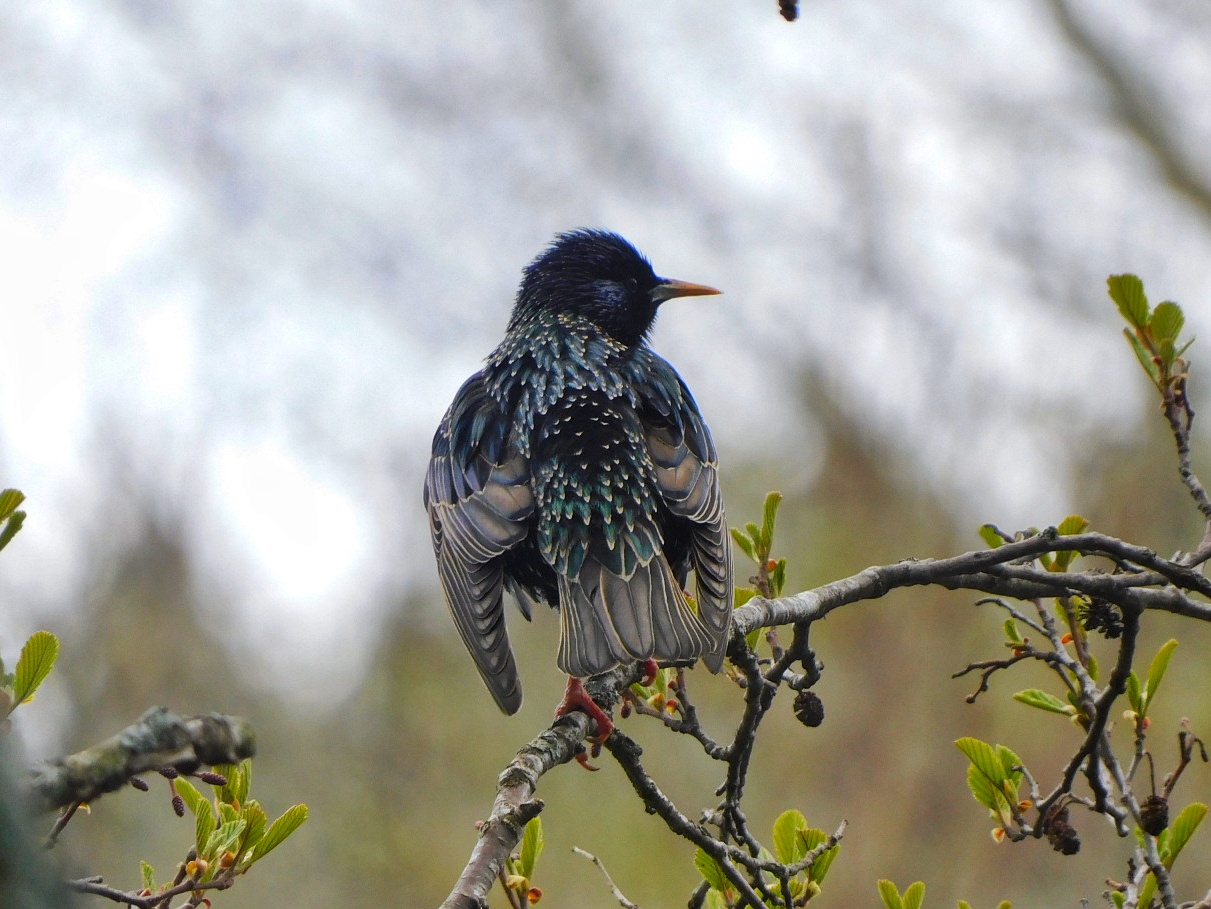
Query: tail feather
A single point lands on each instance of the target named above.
(607, 619)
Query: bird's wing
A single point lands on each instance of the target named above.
(597, 522)
(687, 476)
(478, 496)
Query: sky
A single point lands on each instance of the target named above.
(248, 252)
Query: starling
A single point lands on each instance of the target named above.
(575, 470)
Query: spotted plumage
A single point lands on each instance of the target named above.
(575, 470)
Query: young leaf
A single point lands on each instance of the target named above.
(1167, 321)
(1133, 692)
(291, 819)
(819, 868)
(531, 847)
(914, 895)
(1127, 291)
(744, 542)
(1141, 354)
(205, 824)
(769, 514)
(714, 900)
(190, 795)
(890, 895)
(983, 791)
(149, 875)
(1009, 760)
(984, 757)
(257, 821)
(1183, 828)
(1156, 671)
(789, 846)
(11, 525)
(35, 663)
(990, 535)
(777, 578)
(222, 840)
(1011, 632)
(1033, 697)
(710, 870)
(9, 500)
(1072, 525)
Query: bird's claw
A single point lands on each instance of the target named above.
(576, 698)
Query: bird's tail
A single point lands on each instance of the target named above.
(609, 619)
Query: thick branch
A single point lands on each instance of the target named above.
(515, 804)
(1002, 571)
(159, 739)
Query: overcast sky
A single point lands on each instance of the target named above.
(249, 250)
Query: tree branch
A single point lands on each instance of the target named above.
(159, 739)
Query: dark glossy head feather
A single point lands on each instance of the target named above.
(598, 276)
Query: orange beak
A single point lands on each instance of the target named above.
(669, 288)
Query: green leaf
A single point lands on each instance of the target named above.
(1072, 525)
(963, 904)
(710, 870)
(531, 846)
(1133, 692)
(205, 824)
(292, 818)
(890, 895)
(1147, 891)
(990, 535)
(1142, 354)
(1004, 904)
(222, 840)
(1034, 697)
(819, 868)
(914, 895)
(1183, 828)
(983, 791)
(189, 795)
(257, 821)
(754, 533)
(12, 524)
(1167, 321)
(1009, 760)
(984, 757)
(744, 542)
(789, 846)
(1127, 291)
(714, 900)
(1011, 632)
(35, 663)
(1156, 671)
(777, 579)
(769, 514)
(1118, 898)
(149, 875)
(9, 500)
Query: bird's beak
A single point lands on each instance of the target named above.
(669, 288)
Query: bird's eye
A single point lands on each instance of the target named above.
(632, 284)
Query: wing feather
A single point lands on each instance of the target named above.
(478, 495)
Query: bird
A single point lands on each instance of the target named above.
(575, 470)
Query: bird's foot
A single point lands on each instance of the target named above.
(576, 698)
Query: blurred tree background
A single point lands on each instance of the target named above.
(248, 252)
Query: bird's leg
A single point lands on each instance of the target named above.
(576, 698)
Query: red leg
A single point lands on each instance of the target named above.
(576, 698)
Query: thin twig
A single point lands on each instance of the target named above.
(618, 894)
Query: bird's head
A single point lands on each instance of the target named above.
(600, 277)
